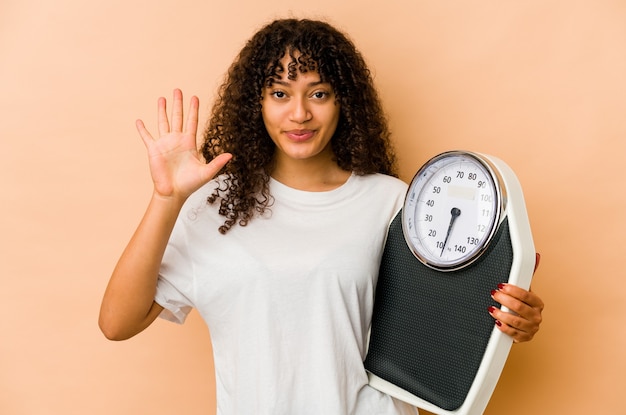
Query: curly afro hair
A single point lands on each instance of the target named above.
(361, 141)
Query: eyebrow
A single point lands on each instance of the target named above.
(310, 84)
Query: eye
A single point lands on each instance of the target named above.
(278, 94)
(320, 94)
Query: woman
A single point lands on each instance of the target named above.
(276, 252)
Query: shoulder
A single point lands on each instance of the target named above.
(386, 192)
(383, 183)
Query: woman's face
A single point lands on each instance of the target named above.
(300, 116)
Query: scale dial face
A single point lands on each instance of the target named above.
(452, 209)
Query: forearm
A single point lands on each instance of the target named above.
(128, 305)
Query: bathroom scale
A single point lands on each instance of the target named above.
(462, 230)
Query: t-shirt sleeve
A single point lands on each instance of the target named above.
(175, 285)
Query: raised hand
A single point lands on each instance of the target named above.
(176, 166)
(177, 170)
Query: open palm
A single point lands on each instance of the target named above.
(176, 167)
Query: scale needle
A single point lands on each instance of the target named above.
(455, 212)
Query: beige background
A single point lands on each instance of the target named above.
(540, 84)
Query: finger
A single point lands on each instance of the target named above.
(515, 307)
(537, 259)
(144, 133)
(524, 296)
(514, 320)
(514, 325)
(164, 125)
(191, 125)
(214, 166)
(518, 335)
(177, 111)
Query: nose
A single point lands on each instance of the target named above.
(300, 112)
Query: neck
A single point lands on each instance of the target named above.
(309, 175)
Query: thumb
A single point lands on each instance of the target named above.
(215, 165)
(537, 259)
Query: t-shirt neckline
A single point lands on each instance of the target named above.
(278, 189)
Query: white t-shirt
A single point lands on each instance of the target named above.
(288, 298)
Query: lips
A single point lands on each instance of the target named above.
(299, 135)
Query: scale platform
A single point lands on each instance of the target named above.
(432, 342)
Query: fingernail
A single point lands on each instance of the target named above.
(493, 292)
(491, 309)
(500, 286)
(498, 323)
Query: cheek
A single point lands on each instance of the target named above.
(271, 116)
(267, 123)
(270, 124)
(334, 119)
